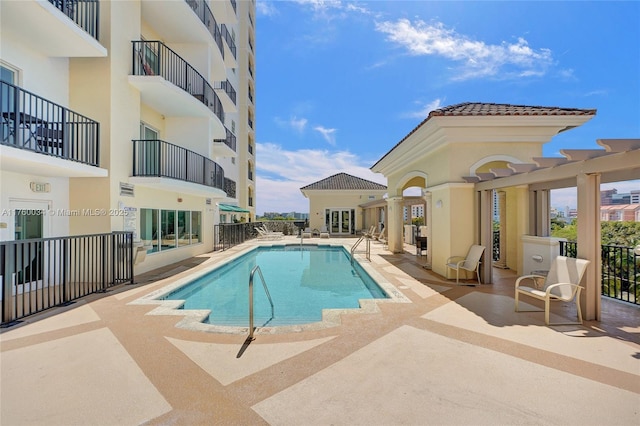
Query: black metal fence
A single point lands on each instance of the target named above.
(202, 10)
(153, 157)
(40, 273)
(156, 58)
(33, 123)
(85, 13)
(620, 270)
(227, 235)
(229, 140)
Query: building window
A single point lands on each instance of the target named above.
(167, 229)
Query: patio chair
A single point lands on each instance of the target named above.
(264, 234)
(324, 232)
(470, 263)
(307, 233)
(562, 284)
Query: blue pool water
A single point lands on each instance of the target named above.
(301, 280)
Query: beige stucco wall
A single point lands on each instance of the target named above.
(319, 200)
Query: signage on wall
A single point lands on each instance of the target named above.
(40, 187)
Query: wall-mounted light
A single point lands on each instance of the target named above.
(439, 204)
(179, 200)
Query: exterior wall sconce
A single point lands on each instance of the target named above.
(439, 204)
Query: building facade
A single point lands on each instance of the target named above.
(127, 116)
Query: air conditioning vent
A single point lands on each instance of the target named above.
(126, 189)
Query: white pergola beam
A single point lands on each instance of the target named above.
(583, 154)
(619, 145)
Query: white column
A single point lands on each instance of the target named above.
(589, 242)
(427, 222)
(485, 222)
(394, 224)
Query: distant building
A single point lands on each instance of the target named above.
(620, 213)
(610, 197)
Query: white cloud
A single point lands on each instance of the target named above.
(295, 123)
(327, 134)
(478, 58)
(425, 109)
(280, 174)
(266, 8)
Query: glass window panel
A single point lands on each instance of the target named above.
(149, 229)
(183, 232)
(196, 227)
(168, 226)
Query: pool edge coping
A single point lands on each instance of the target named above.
(331, 317)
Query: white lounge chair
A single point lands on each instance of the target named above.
(469, 263)
(263, 234)
(307, 233)
(324, 233)
(562, 284)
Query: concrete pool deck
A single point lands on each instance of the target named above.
(455, 355)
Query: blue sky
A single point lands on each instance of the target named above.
(339, 83)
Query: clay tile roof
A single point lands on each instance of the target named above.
(489, 109)
(345, 181)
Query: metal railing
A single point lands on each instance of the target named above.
(155, 58)
(227, 87)
(226, 34)
(202, 10)
(227, 235)
(229, 140)
(368, 248)
(266, 290)
(620, 270)
(40, 273)
(157, 158)
(33, 123)
(85, 13)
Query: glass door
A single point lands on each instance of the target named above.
(29, 223)
(340, 221)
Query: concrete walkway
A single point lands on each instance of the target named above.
(454, 355)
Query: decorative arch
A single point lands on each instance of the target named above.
(491, 159)
(412, 178)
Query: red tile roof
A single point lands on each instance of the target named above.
(470, 109)
(343, 181)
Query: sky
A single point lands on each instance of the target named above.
(339, 83)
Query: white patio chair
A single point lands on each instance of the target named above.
(562, 284)
(324, 232)
(307, 233)
(469, 263)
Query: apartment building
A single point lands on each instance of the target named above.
(127, 116)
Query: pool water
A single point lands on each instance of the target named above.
(302, 281)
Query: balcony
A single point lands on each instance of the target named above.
(55, 28)
(230, 187)
(230, 56)
(225, 11)
(44, 138)
(225, 147)
(227, 95)
(173, 87)
(162, 165)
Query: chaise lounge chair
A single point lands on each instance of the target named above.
(324, 233)
(562, 284)
(307, 233)
(469, 263)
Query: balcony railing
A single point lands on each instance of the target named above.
(230, 187)
(33, 123)
(226, 34)
(156, 158)
(155, 58)
(85, 13)
(229, 140)
(250, 149)
(228, 89)
(620, 270)
(234, 5)
(40, 273)
(202, 10)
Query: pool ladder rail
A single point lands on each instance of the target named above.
(266, 290)
(353, 248)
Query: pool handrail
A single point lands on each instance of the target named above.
(266, 290)
(353, 248)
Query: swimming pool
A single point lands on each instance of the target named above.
(302, 280)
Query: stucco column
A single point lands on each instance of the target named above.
(485, 225)
(589, 242)
(394, 224)
(427, 221)
(502, 205)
